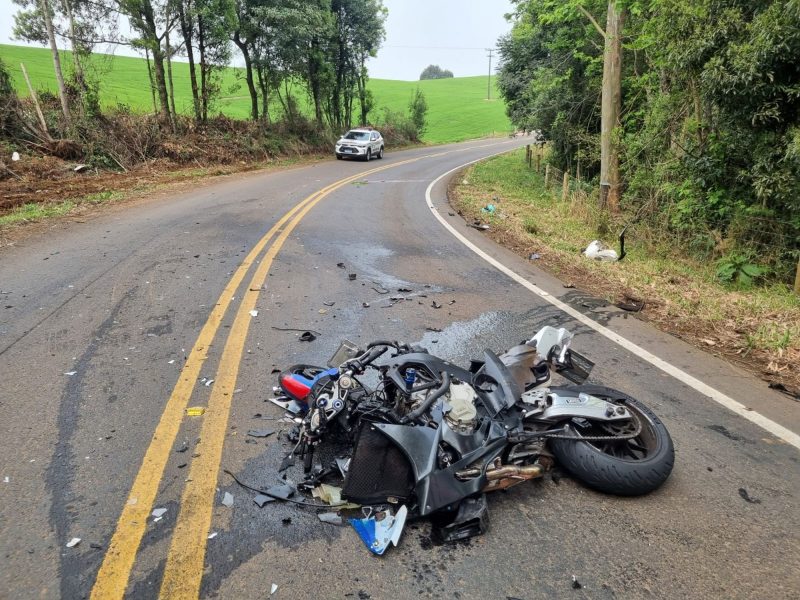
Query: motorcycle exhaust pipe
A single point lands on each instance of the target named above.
(504, 476)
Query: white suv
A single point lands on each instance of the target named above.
(363, 143)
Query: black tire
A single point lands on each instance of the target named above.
(627, 468)
(380, 153)
(338, 157)
(368, 157)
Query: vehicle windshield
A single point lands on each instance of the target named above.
(357, 135)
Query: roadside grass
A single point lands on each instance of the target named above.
(36, 212)
(758, 328)
(457, 107)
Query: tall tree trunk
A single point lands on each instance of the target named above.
(248, 65)
(201, 45)
(262, 83)
(77, 51)
(149, 21)
(362, 91)
(611, 107)
(314, 81)
(44, 6)
(152, 81)
(186, 30)
(169, 77)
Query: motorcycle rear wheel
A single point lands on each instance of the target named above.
(625, 468)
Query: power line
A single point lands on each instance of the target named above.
(434, 47)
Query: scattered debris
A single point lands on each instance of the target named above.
(171, 362)
(599, 251)
(293, 329)
(289, 405)
(329, 303)
(569, 285)
(381, 290)
(273, 589)
(343, 464)
(15, 156)
(773, 385)
(323, 311)
(378, 534)
(451, 302)
(351, 276)
(340, 265)
(6, 479)
(195, 411)
(81, 168)
(208, 382)
(212, 535)
(227, 499)
(307, 336)
(435, 304)
(253, 313)
(288, 461)
(433, 329)
(404, 290)
(479, 226)
(329, 494)
(159, 512)
(262, 499)
(747, 497)
(73, 542)
(260, 433)
(489, 209)
(365, 304)
(184, 447)
(286, 520)
(535, 256)
(332, 518)
(575, 583)
(95, 546)
(70, 373)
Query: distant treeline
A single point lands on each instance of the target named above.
(704, 131)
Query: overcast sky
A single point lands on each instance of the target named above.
(451, 33)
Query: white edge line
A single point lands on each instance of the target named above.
(772, 427)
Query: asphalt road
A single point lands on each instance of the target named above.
(112, 326)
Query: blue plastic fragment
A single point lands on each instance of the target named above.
(377, 535)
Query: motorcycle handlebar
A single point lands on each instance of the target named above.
(369, 356)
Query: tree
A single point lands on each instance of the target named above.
(435, 72)
(418, 111)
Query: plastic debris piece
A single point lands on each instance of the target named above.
(323, 311)
(15, 156)
(489, 209)
(329, 303)
(575, 583)
(159, 512)
(283, 491)
(435, 304)
(351, 276)
(212, 535)
(95, 546)
(287, 462)
(597, 250)
(171, 362)
(433, 329)
(535, 256)
(404, 290)
(747, 497)
(81, 168)
(6, 479)
(261, 500)
(340, 265)
(307, 336)
(253, 313)
(227, 499)
(260, 433)
(70, 373)
(365, 304)
(378, 534)
(273, 589)
(209, 382)
(195, 411)
(333, 518)
(73, 542)
(479, 226)
(291, 406)
(328, 493)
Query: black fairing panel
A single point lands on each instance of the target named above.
(432, 363)
(505, 394)
(437, 488)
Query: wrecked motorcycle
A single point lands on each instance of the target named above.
(433, 437)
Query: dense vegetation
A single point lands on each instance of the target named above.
(708, 135)
(434, 72)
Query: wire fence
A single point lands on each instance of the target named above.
(764, 236)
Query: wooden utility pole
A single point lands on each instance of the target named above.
(611, 107)
(489, 82)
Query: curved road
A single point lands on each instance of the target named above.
(112, 327)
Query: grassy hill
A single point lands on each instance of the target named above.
(457, 108)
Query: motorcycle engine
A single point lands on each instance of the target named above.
(460, 413)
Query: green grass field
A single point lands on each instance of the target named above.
(457, 108)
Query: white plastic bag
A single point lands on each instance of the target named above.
(598, 251)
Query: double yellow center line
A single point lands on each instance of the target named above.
(184, 567)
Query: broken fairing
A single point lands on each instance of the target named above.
(378, 534)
